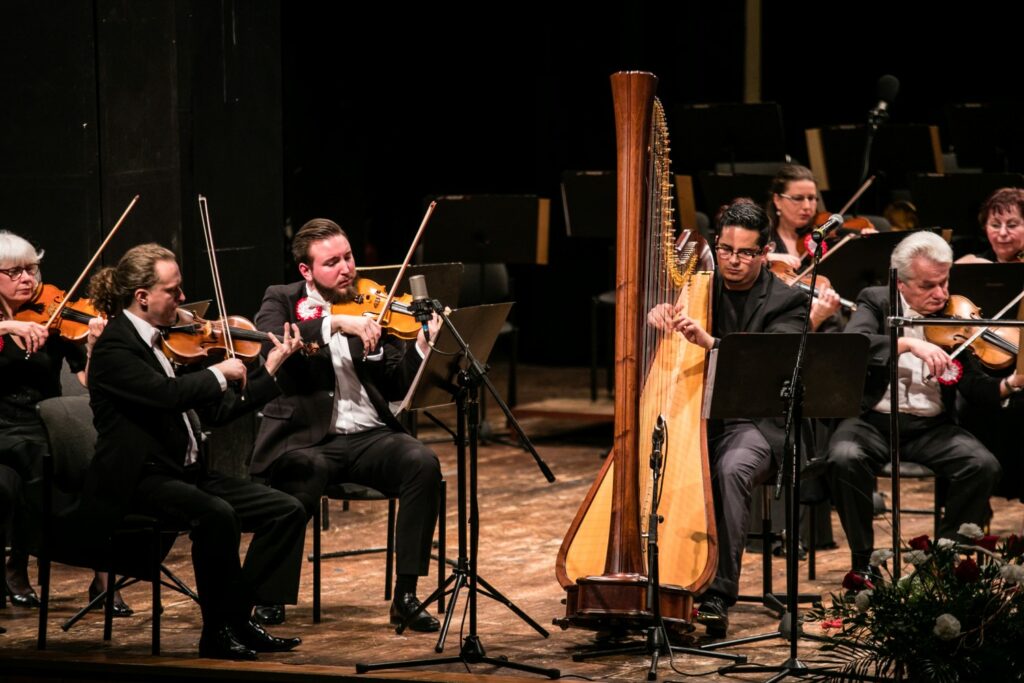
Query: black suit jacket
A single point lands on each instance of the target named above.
(301, 416)
(869, 319)
(137, 411)
(771, 307)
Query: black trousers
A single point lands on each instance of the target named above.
(860, 447)
(392, 462)
(218, 508)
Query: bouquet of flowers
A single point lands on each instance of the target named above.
(956, 615)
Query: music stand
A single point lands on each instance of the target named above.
(953, 200)
(705, 134)
(588, 203)
(832, 385)
(717, 189)
(862, 262)
(988, 285)
(452, 369)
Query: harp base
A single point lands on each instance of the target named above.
(618, 603)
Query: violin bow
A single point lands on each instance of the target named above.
(71, 292)
(405, 263)
(846, 207)
(218, 292)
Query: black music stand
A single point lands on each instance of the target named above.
(831, 385)
(588, 203)
(988, 285)
(861, 262)
(952, 200)
(717, 189)
(727, 133)
(453, 370)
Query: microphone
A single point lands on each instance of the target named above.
(887, 89)
(421, 306)
(833, 222)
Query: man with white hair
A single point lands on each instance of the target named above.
(928, 433)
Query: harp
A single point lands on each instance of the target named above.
(601, 563)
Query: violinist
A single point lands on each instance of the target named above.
(744, 453)
(792, 208)
(333, 423)
(149, 456)
(30, 371)
(998, 427)
(928, 432)
(1002, 219)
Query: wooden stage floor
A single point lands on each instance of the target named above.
(523, 519)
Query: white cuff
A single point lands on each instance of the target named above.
(221, 380)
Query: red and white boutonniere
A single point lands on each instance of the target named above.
(809, 245)
(308, 310)
(952, 374)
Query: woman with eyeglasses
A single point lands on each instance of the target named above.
(30, 371)
(1002, 220)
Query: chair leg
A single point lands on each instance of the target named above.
(44, 600)
(442, 518)
(316, 561)
(389, 569)
(108, 603)
(812, 542)
(513, 362)
(155, 584)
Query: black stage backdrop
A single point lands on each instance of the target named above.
(280, 112)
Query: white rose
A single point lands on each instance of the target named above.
(863, 600)
(946, 627)
(945, 543)
(916, 557)
(1014, 573)
(969, 530)
(879, 557)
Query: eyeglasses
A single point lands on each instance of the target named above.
(799, 198)
(17, 271)
(726, 252)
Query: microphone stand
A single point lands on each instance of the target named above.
(876, 117)
(792, 394)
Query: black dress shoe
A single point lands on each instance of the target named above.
(268, 615)
(28, 599)
(253, 636)
(714, 614)
(222, 643)
(121, 608)
(404, 606)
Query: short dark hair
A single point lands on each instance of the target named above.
(313, 231)
(743, 212)
(1001, 201)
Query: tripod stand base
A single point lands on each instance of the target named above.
(472, 652)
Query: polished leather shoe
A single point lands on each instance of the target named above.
(268, 615)
(254, 636)
(404, 606)
(29, 599)
(121, 608)
(222, 643)
(714, 614)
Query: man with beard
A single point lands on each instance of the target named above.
(332, 423)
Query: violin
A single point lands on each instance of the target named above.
(72, 321)
(371, 298)
(803, 282)
(193, 339)
(995, 347)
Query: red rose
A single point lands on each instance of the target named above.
(855, 581)
(988, 542)
(831, 623)
(921, 543)
(967, 571)
(1014, 545)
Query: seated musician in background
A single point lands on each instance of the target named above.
(30, 371)
(928, 435)
(333, 423)
(1002, 219)
(792, 208)
(148, 456)
(747, 298)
